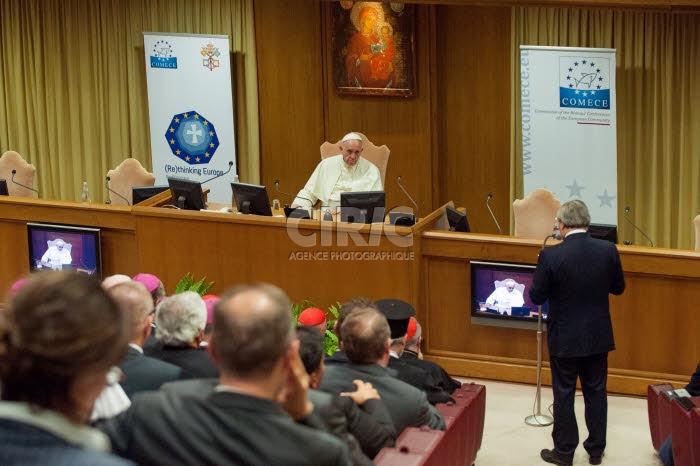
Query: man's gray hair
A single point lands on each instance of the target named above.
(179, 319)
(574, 214)
(415, 339)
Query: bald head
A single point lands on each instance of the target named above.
(366, 334)
(135, 302)
(252, 329)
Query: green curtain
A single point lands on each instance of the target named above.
(73, 98)
(658, 109)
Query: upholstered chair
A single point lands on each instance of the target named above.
(11, 160)
(535, 213)
(124, 177)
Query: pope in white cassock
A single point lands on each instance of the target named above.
(345, 172)
(57, 255)
(506, 295)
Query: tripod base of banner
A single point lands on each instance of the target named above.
(539, 420)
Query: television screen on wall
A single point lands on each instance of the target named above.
(500, 292)
(65, 248)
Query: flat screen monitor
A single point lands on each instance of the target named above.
(141, 193)
(362, 206)
(3, 187)
(601, 231)
(457, 220)
(251, 199)
(493, 303)
(187, 194)
(65, 248)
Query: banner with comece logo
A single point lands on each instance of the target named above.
(569, 125)
(191, 110)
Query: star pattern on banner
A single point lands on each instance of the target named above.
(606, 199)
(574, 189)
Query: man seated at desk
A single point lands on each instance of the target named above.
(506, 297)
(345, 172)
(56, 256)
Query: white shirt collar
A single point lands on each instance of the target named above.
(576, 231)
(136, 347)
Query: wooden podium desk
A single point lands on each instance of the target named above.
(655, 321)
(325, 262)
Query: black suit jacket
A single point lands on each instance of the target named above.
(439, 375)
(407, 405)
(222, 428)
(577, 276)
(694, 386)
(143, 373)
(195, 363)
(420, 379)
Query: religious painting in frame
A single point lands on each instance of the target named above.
(373, 48)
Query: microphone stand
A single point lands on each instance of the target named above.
(113, 191)
(416, 217)
(538, 419)
(24, 186)
(294, 196)
(627, 210)
(488, 198)
(230, 164)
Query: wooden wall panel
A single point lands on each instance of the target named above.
(473, 80)
(288, 41)
(402, 123)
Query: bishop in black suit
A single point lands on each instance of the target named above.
(577, 276)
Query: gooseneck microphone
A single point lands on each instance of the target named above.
(627, 211)
(113, 191)
(409, 197)
(488, 198)
(277, 188)
(230, 164)
(20, 184)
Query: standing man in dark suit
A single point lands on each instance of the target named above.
(142, 373)
(577, 276)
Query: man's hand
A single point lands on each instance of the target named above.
(293, 396)
(294, 206)
(365, 391)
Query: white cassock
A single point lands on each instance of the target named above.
(502, 297)
(332, 177)
(55, 257)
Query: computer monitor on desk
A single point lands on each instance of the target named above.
(362, 206)
(187, 194)
(457, 220)
(251, 199)
(141, 193)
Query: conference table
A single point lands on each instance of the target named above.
(326, 262)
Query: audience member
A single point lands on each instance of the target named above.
(210, 301)
(250, 416)
(347, 307)
(412, 356)
(154, 286)
(666, 449)
(180, 322)
(366, 339)
(359, 418)
(398, 314)
(114, 280)
(314, 317)
(141, 372)
(59, 338)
